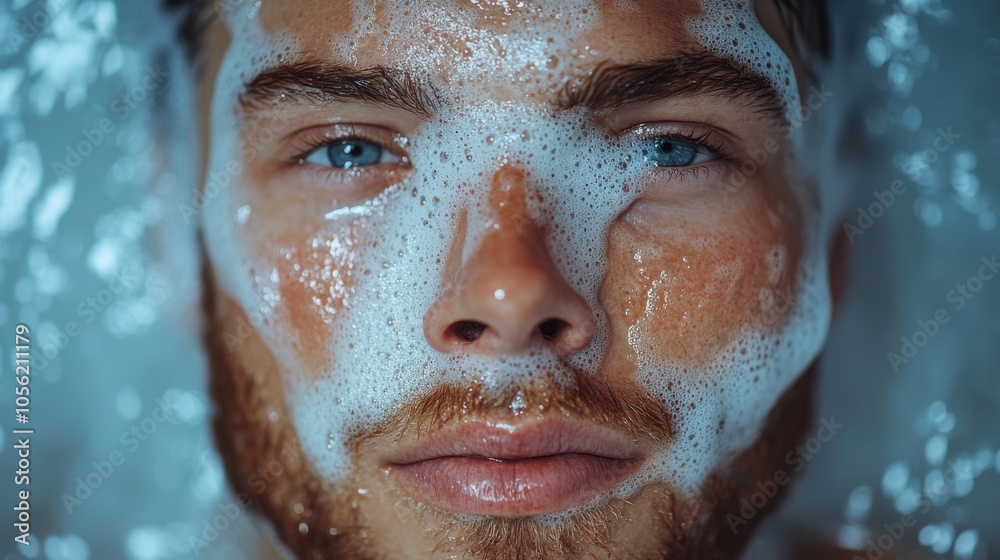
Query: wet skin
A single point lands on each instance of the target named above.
(687, 262)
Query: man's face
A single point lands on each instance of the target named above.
(509, 280)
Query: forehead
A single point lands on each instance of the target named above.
(452, 39)
(525, 50)
(319, 23)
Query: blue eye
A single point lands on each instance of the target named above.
(671, 152)
(350, 154)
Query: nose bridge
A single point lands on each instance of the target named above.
(506, 293)
(509, 276)
(510, 223)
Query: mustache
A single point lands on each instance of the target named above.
(622, 406)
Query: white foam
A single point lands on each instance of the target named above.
(224, 210)
(730, 29)
(461, 48)
(719, 409)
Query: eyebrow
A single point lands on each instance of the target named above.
(323, 82)
(607, 87)
(611, 86)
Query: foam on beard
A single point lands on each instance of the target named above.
(379, 358)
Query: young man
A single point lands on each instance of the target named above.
(494, 279)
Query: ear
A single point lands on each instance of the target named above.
(839, 269)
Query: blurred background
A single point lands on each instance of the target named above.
(96, 257)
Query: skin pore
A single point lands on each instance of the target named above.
(533, 226)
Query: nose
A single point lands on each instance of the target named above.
(507, 295)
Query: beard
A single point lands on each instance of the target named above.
(315, 519)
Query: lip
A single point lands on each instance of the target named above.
(514, 469)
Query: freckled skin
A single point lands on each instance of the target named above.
(704, 265)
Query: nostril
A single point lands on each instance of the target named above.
(550, 329)
(469, 331)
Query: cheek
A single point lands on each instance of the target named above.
(687, 289)
(311, 272)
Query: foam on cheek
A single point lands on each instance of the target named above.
(719, 409)
(730, 29)
(224, 212)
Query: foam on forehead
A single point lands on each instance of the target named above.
(524, 35)
(730, 29)
(466, 42)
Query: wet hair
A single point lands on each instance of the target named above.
(807, 21)
(195, 16)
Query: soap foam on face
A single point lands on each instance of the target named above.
(225, 211)
(461, 49)
(379, 358)
(730, 29)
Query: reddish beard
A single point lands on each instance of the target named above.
(266, 464)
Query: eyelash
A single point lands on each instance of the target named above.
(703, 141)
(307, 144)
(314, 139)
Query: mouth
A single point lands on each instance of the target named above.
(515, 469)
